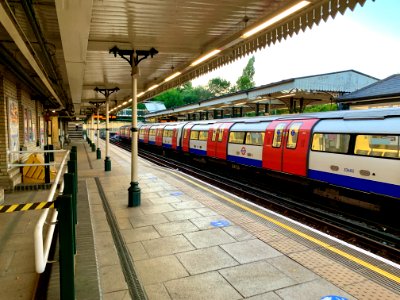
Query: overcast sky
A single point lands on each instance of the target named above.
(366, 40)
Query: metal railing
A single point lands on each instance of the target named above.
(42, 247)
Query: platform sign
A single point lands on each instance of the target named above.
(13, 129)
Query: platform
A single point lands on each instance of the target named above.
(188, 240)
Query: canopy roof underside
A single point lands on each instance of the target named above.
(78, 35)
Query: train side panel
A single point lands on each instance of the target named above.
(198, 139)
(358, 154)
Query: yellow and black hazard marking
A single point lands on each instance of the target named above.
(25, 206)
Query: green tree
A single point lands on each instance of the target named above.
(246, 81)
(218, 86)
(170, 98)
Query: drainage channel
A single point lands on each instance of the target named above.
(135, 289)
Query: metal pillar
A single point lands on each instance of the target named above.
(98, 134)
(107, 92)
(134, 190)
(92, 133)
(134, 60)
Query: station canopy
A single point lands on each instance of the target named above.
(61, 48)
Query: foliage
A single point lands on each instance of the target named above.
(321, 107)
(187, 94)
(218, 86)
(246, 81)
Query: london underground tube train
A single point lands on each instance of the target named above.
(353, 150)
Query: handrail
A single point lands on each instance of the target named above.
(35, 151)
(42, 249)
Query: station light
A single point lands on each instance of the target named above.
(277, 18)
(140, 94)
(176, 74)
(152, 87)
(205, 57)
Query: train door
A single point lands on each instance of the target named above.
(212, 139)
(287, 146)
(174, 138)
(273, 145)
(186, 137)
(146, 134)
(222, 140)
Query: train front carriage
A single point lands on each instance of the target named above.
(357, 154)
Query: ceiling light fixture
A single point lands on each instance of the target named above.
(205, 57)
(176, 74)
(277, 18)
(152, 87)
(140, 94)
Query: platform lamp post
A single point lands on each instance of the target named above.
(97, 105)
(134, 57)
(107, 93)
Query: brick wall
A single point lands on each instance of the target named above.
(29, 112)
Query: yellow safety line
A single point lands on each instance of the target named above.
(295, 231)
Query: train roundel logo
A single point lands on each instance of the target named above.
(243, 150)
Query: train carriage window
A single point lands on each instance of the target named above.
(203, 135)
(331, 142)
(255, 138)
(378, 145)
(214, 135)
(237, 137)
(293, 135)
(194, 135)
(167, 133)
(220, 134)
(278, 133)
(152, 132)
(185, 133)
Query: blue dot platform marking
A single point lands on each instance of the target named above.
(176, 193)
(332, 297)
(220, 223)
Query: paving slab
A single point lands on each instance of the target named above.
(251, 250)
(160, 269)
(183, 214)
(205, 260)
(256, 278)
(209, 238)
(200, 287)
(174, 228)
(311, 290)
(167, 245)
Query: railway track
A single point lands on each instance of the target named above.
(366, 234)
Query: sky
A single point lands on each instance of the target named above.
(366, 40)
